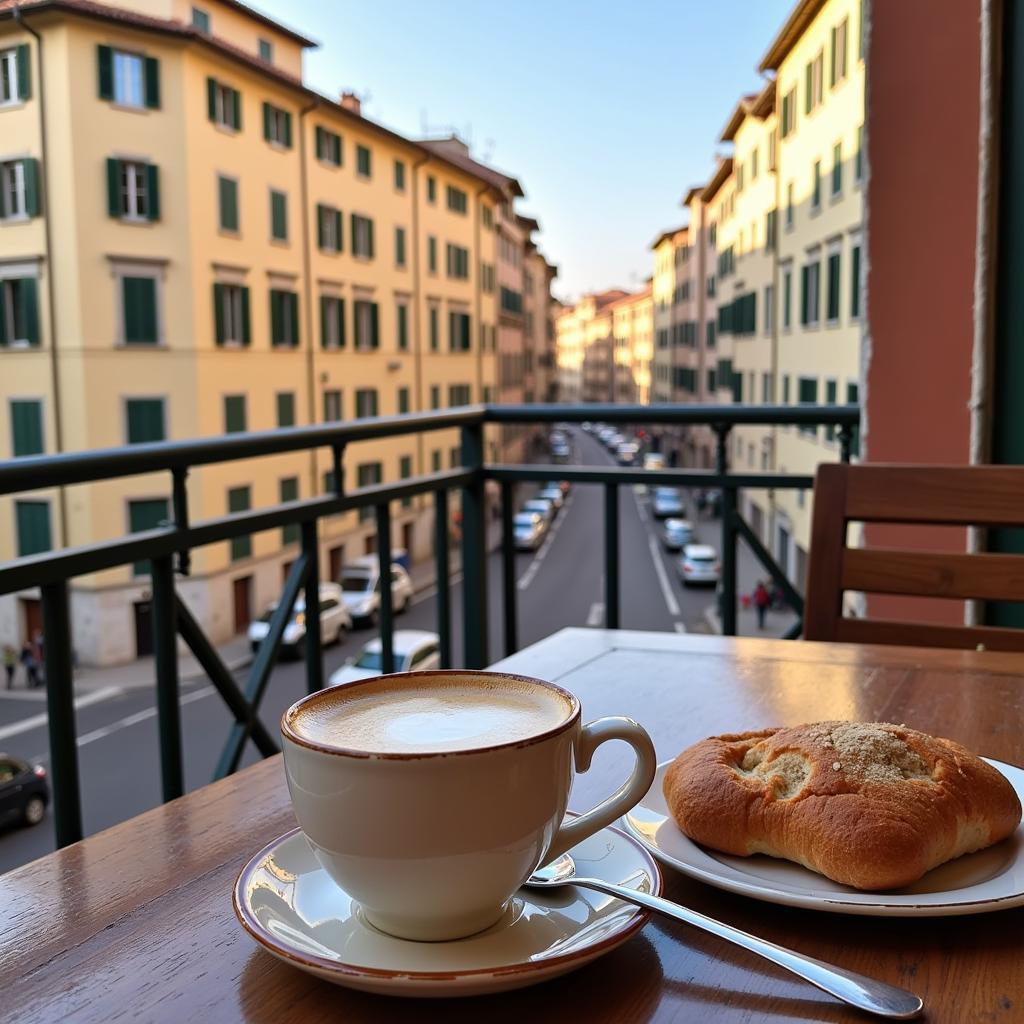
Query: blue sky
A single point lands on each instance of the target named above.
(607, 112)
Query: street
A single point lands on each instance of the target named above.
(562, 584)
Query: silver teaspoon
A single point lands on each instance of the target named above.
(865, 993)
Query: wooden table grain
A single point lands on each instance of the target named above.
(135, 923)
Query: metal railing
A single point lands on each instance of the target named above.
(167, 549)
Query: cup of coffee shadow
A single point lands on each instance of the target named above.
(430, 797)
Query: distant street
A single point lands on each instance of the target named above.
(560, 585)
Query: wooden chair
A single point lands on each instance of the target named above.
(933, 495)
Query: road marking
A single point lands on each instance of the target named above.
(659, 569)
(596, 616)
(431, 591)
(680, 628)
(534, 567)
(36, 721)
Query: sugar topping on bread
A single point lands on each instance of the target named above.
(876, 751)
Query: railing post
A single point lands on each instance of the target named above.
(845, 441)
(387, 611)
(475, 621)
(728, 560)
(60, 713)
(179, 506)
(611, 556)
(165, 652)
(444, 590)
(508, 568)
(314, 641)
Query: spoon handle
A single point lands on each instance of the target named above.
(866, 993)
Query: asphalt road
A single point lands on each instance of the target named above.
(562, 584)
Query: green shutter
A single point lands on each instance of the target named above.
(285, 409)
(238, 501)
(211, 99)
(374, 326)
(267, 111)
(153, 191)
(293, 302)
(832, 311)
(33, 527)
(320, 210)
(145, 420)
(30, 309)
(152, 83)
(234, 414)
(369, 224)
(855, 282)
(228, 202)
(288, 130)
(30, 168)
(3, 316)
(337, 230)
(803, 294)
(289, 491)
(24, 60)
(140, 310)
(236, 116)
(147, 514)
(278, 216)
(105, 62)
(276, 317)
(832, 69)
(830, 399)
(318, 136)
(325, 313)
(26, 428)
(246, 333)
(403, 327)
(218, 313)
(113, 187)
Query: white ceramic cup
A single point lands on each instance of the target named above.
(433, 845)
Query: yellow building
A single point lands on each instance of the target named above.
(201, 244)
(633, 330)
(584, 348)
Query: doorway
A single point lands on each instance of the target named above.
(32, 618)
(242, 600)
(335, 560)
(407, 529)
(143, 611)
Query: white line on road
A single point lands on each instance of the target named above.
(36, 721)
(680, 628)
(659, 568)
(596, 616)
(534, 567)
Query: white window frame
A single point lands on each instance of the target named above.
(9, 77)
(125, 82)
(131, 188)
(12, 182)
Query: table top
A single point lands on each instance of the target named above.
(135, 923)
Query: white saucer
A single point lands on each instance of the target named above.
(288, 904)
(991, 879)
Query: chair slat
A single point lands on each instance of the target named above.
(921, 634)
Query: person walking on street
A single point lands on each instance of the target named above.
(30, 663)
(10, 662)
(761, 601)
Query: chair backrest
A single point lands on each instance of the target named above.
(910, 494)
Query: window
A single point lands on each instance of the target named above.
(852, 399)
(19, 188)
(766, 388)
(431, 189)
(855, 281)
(238, 501)
(332, 405)
(435, 333)
(402, 327)
(753, 165)
(364, 162)
(284, 318)
(404, 472)
(838, 64)
(328, 146)
(400, 175)
(19, 312)
(26, 427)
(816, 186)
(709, 334)
(457, 199)
(368, 474)
(231, 314)
(455, 457)
(328, 228)
(332, 322)
(788, 113)
(833, 285)
(790, 207)
(227, 203)
(814, 83)
(266, 50)
(435, 460)
(787, 297)
(132, 190)
(487, 217)
(138, 310)
(278, 216)
(145, 420)
(128, 79)
(288, 490)
(223, 105)
(15, 74)
(785, 390)
(146, 514)
(367, 336)
(431, 254)
(858, 165)
(769, 309)
(830, 399)
(286, 408)
(458, 332)
(458, 262)
(234, 414)
(403, 400)
(435, 396)
(511, 301)
(807, 394)
(399, 247)
(277, 126)
(771, 221)
(362, 237)
(200, 20)
(810, 313)
(837, 169)
(366, 403)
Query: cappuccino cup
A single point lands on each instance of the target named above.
(430, 797)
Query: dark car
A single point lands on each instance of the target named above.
(24, 791)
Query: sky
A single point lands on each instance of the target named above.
(606, 112)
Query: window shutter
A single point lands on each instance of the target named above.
(105, 62)
(336, 149)
(451, 331)
(293, 302)
(113, 187)
(211, 99)
(236, 116)
(320, 211)
(276, 317)
(803, 294)
(374, 326)
(337, 229)
(153, 190)
(288, 130)
(855, 281)
(26, 428)
(266, 121)
(341, 322)
(807, 88)
(24, 72)
(3, 317)
(325, 314)
(152, 70)
(318, 135)
(369, 227)
(218, 313)
(30, 309)
(246, 335)
(30, 168)
(352, 221)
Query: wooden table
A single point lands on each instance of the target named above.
(136, 923)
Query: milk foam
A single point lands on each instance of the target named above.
(431, 716)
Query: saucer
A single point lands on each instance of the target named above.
(289, 905)
(977, 883)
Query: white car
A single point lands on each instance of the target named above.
(654, 460)
(544, 507)
(626, 453)
(699, 564)
(335, 622)
(415, 649)
(528, 530)
(667, 503)
(678, 533)
(360, 589)
(553, 493)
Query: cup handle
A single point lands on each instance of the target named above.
(625, 797)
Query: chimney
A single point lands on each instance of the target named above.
(350, 101)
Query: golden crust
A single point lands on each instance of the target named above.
(874, 806)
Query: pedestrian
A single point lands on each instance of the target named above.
(30, 663)
(761, 601)
(10, 661)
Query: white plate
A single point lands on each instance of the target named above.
(991, 879)
(288, 904)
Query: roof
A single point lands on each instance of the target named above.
(456, 152)
(718, 179)
(765, 102)
(693, 193)
(264, 19)
(633, 297)
(530, 223)
(744, 107)
(606, 298)
(795, 25)
(667, 234)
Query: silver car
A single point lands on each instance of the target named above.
(553, 493)
(528, 530)
(667, 503)
(544, 507)
(335, 622)
(360, 588)
(678, 533)
(414, 650)
(699, 564)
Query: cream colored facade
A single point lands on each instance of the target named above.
(585, 348)
(258, 318)
(633, 329)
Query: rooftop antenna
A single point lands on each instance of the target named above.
(488, 150)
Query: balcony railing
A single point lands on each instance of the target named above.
(167, 549)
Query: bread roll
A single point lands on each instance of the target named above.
(870, 805)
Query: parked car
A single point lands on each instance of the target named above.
(414, 649)
(654, 460)
(335, 622)
(544, 507)
(360, 589)
(588, 427)
(626, 453)
(24, 791)
(699, 564)
(604, 434)
(561, 452)
(667, 503)
(528, 530)
(553, 493)
(678, 533)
